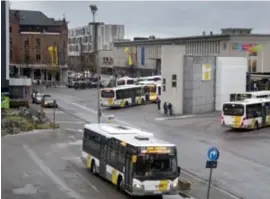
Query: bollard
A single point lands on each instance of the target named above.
(110, 118)
(158, 103)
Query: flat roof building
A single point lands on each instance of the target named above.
(81, 44)
(146, 54)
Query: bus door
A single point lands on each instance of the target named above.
(129, 161)
(133, 96)
(102, 161)
(264, 115)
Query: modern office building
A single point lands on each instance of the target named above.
(146, 53)
(81, 45)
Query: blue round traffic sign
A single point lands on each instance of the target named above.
(213, 154)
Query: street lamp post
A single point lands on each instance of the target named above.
(94, 9)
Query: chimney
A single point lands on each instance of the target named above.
(211, 32)
(203, 33)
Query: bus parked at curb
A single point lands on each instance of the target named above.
(123, 96)
(133, 160)
(249, 95)
(153, 89)
(247, 114)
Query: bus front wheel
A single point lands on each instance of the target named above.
(120, 183)
(93, 167)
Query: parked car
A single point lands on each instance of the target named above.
(39, 98)
(49, 102)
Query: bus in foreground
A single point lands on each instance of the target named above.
(123, 96)
(247, 114)
(133, 160)
(249, 95)
(154, 89)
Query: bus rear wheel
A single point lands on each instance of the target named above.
(120, 183)
(126, 104)
(256, 127)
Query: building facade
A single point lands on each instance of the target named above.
(146, 54)
(38, 45)
(81, 45)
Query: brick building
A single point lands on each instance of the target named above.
(38, 45)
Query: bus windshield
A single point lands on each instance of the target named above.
(152, 89)
(233, 109)
(107, 93)
(155, 165)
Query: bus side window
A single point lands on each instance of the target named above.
(267, 106)
(254, 110)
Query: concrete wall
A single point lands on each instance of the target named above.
(198, 94)
(20, 81)
(172, 59)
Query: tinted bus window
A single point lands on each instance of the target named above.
(152, 89)
(262, 96)
(254, 110)
(121, 82)
(233, 109)
(130, 81)
(107, 94)
(157, 79)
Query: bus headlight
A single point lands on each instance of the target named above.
(174, 184)
(138, 186)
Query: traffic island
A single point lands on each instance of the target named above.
(15, 121)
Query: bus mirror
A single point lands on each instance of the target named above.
(179, 170)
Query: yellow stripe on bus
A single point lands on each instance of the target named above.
(237, 121)
(163, 185)
(89, 161)
(114, 176)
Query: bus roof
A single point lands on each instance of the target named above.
(265, 92)
(143, 140)
(250, 101)
(113, 129)
(127, 134)
(127, 86)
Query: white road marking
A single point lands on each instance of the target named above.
(172, 118)
(50, 174)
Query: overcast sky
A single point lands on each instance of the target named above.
(162, 19)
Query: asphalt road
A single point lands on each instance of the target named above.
(243, 168)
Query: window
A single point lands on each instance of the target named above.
(254, 110)
(26, 42)
(10, 29)
(233, 109)
(164, 84)
(26, 57)
(38, 42)
(38, 57)
(174, 80)
(10, 55)
(10, 42)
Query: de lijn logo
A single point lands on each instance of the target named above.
(213, 154)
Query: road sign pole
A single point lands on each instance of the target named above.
(209, 184)
(54, 106)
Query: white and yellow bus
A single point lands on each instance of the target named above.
(249, 95)
(133, 160)
(123, 96)
(125, 81)
(153, 89)
(155, 78)
(247, 114)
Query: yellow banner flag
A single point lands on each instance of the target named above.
(130, 60)
(51, 52)
(55, 55)
(126, 50)
(257, 48)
